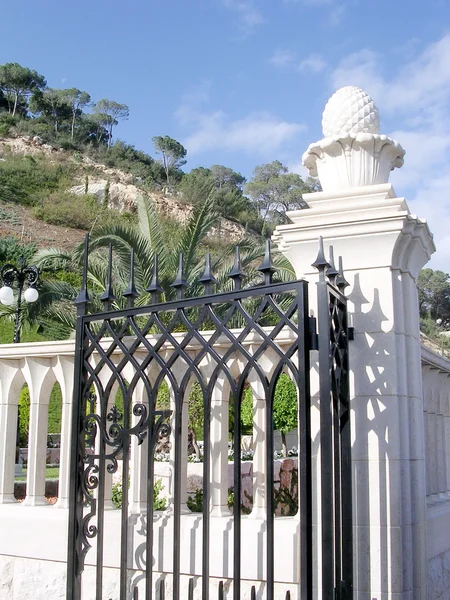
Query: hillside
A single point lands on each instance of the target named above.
(87, 177)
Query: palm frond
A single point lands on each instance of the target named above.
(202, 219)
(52, 259)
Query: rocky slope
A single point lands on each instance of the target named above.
(93, 178)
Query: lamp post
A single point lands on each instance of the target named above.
(19, 275)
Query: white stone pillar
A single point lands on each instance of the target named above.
(11, 382)
(63, 368)
(40, 383)
(383, 248)
(260, 432)
(219, 448)
(139, 459)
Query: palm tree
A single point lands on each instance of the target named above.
(148, 241)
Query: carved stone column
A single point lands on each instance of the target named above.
(383, 248)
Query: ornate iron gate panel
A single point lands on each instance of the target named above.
(335, 440)
(221, 342)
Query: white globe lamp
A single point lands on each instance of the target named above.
(6, 295)
(31, 294)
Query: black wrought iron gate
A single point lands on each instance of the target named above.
(221, 340)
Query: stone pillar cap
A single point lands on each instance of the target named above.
(353, 153)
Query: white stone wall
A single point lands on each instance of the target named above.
(439, 577)
(436, 406)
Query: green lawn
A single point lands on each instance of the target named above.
(50, 473)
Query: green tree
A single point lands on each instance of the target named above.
(18, 83)
(173, 153)
(274, 190)
(77, 100)
(285, 411)
(434, 295)
(108, 113)
(224, 185)
(148, 237)
(51, 103)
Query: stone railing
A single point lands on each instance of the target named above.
(40, 366)
(436, 406)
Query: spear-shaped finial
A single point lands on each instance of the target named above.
(321, 262)
(236, 273)
(180, 282)
(208, 279)
(332, 272)
(266, 266)
(131, 292)
(341, 282)
(108, 296)
(155, 287)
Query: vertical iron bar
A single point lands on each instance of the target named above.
(253, 593)
(206, 496)
(326, 442)
(337, 465)
(152, 436)
(103, 403)
(220, 594)
(74, 566)
(237, 499)
(346, 473)
(177, 494)
(191, 589)
(305, 450)
(270, 540)
(125, 495)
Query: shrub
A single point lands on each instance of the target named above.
(64, 208)
(159, 503)
(285, 413)
(24, 416)
(25, 179)
(11, 250)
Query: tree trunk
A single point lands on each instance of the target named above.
(16, 99)
(166, 168)
(73, 125)
(283, 443)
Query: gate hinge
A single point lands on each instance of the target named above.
(313, 335)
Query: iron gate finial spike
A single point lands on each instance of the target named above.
(83, 296)
(155, 287)
(180, 282)
(236, 273)
(332, 272)
(208, 279)
(108, 296)
(266, 266)
(321, 263)
(131, 292)
(341, 282)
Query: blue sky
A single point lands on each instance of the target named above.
(243, 82)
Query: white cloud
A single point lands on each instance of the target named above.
(417, 99)
(423, 82)
(310, 2)
(285, 59)
(250, 17)
(314, 63)
(259, 133)
(282, 58)
(336, 15)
